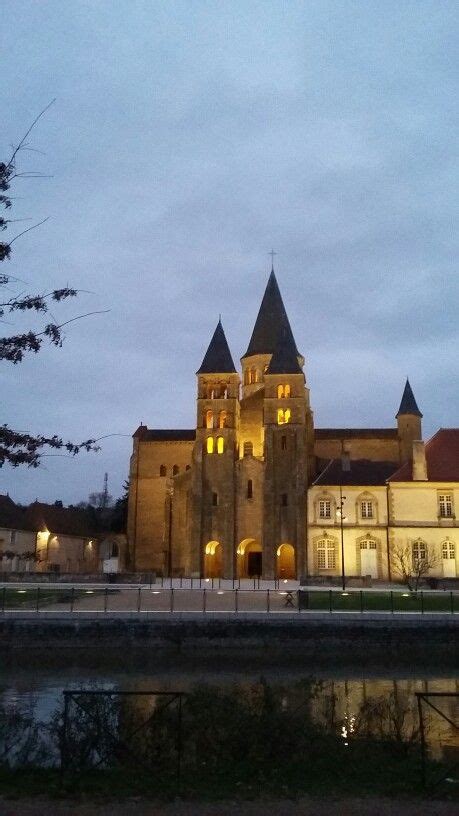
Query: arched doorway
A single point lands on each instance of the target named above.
(249, 558)
(286, 561)
(213, 561)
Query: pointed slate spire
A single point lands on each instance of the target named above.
(217, 359)
(271, 321)
(285, 357)
(408, 404)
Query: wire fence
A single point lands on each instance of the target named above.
(38, 600)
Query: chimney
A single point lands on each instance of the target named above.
(419, 461)
(345, 461)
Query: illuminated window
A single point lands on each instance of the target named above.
(222, 419)
(324, 508)
(250, 489)
(366, 509)
(448, 550)
(280, 391)
(445, 505)
(220, 444)
(247, 376)
(209, 419)
(286, 390)
(283, 416)
(210, 444)
(163, 470)
(419, 550)
(326, 554)
(175, 470)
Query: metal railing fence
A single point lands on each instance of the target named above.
(143, 599)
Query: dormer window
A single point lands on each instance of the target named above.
(324, 508)
(366, 509)
(445, 505)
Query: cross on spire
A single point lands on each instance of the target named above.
(272, 253)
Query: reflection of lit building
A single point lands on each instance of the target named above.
(239, 505)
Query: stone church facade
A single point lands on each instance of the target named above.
(230, 497)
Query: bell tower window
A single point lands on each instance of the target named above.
(209, 419)
(210, 444)
(222, 419)
(283, 416)
(220, 444)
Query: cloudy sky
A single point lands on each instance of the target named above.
(186, 140)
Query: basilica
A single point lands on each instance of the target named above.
(255, 489)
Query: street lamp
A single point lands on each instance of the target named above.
(170, 493)
(339, 512)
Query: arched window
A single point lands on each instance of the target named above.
(163, 470)
(280, 391)
(214, 499)
(250, 489)
(367, 544)
(326, 554)
(209, 419)
(247, 376)
(448, 550)
(222, 419)
(210, 444)
(283, 443)
(284, 500)
(175, 470)
(188, 467)
(220, 444)
(287, 390)
(419, 550)
(257, 376)
(283, 416)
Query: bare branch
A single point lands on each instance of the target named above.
(22, 142)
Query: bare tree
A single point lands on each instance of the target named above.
(411, 565)
(20, 447)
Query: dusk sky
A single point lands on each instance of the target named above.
(189, 138)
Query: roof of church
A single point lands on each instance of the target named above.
(271, 321)
(408, 404)
(217, 359)
(442, 459)
(360, 472)
(285, 357)
(165, 434)
(356, 433)
(74, 521)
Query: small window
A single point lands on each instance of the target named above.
(283, 416)
(284, 500)
(209, 419)
(287, 391)
(210, 444)
(220, 444)
(175, 470)
(222, 417)
(250, 489)
(445, 505)
(163, 470)
(188, 467)
(368, 544)
(280, 391)
(325, 509)
(283, 443)
(214, 499)
(366, 509)
(419, 552)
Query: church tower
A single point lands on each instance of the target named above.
(214, 455)
(409, 423)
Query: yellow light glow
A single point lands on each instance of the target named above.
(210, 444)
(209, 419)
(220, 444)
(283, 416)
(211, 546)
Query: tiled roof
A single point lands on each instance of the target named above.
(39, 516)
(285, 357)
(165, 435)
(217, 359)
(408, 404)
(11, 515)
(361, 472)
(442, 457)
(271, 321)
(356, 433)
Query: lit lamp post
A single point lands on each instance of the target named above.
(339, 512)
